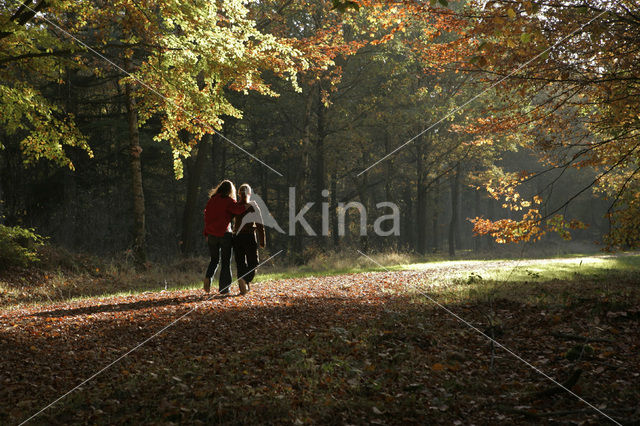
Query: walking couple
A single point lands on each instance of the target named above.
(222, 208)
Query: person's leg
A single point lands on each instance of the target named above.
(214, 251)
(241, 261)
(251, 252)
(225, 263)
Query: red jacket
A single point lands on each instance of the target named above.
(218, 214)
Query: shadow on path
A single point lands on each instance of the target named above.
(131, 306)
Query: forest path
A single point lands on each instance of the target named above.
(351, 348)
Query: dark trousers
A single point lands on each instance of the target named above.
(220, 250)
(245, 250)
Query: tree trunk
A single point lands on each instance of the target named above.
(319, 159)
(302, 172)
(190, 212)
(454, 211)
(477, 241)
(491, 214)
(460, 223)
(421, 204)
(68, 227)
(333, 208)
(407, 226)
(139, 245)
(435, 225)
(364, 199)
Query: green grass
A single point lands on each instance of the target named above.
(541, 281)
(122, 279)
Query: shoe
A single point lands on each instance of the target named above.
(248, 286)
(243, 286)
(207, 284)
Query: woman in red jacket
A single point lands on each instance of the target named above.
(221, 207)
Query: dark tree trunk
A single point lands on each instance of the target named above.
(320, 184)
(421, 204)
(302, 173)
(435, 219)
(460, 224)
(491, 214)
(454, 211)
(70, 189)
(190, 220)
(422, 218)
(364, 199)
(139, 245)
(215, 161)
(333, 208)
(407, 226)
(477, 241)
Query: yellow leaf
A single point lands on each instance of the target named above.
(511, 13)
(437, 367)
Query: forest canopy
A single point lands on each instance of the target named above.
(521, 116)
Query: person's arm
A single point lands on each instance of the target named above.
(204, 229)
(262, 235)
(236, 208)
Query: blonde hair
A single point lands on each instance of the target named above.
(225, 189)
(245, 188)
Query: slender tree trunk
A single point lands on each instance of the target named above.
(421, 203)
(364, 199)
(454, 211)
(320, 184)
(333, 208)
(389, 169)
(422, 219)
(139, 244)
(69, 222)
(215, 160)
(435, 220)
(190, 221)
(407, 228)
(303, 172)
(264, 185)
(223, 161)
(491, 214)
(460, 224)
(477, 241)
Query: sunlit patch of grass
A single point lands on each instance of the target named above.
(337, 263)
(115, 279)
(451, 277)
(553, 281)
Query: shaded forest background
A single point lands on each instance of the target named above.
(376, 93)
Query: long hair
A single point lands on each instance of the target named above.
(225, 189)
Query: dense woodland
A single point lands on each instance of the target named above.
(118, 118)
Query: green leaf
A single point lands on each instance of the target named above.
(525, 37)
(445, 3)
